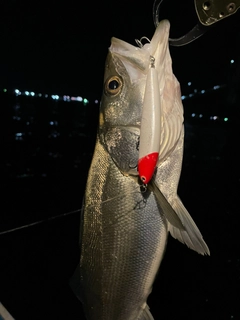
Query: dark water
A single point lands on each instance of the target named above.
(47, 151)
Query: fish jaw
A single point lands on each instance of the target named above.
(123, 242)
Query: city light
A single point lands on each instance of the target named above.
(55, 97)
(85, 101)
(66, 98)
(53, 123)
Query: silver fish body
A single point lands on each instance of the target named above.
(124, 225)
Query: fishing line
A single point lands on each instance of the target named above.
(119, 196)
(142, 190)
(39, 222)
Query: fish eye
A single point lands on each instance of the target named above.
(113, 85)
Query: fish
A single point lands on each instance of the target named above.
(125, 223)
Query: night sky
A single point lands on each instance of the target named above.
(61, 46)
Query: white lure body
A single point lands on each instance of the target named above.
(150, 132)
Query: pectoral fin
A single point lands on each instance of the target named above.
(181, 225)
(166, 208)
(190, 235)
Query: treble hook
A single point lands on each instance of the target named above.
(208, 12)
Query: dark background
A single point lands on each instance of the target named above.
(62, 45)
(59, 47)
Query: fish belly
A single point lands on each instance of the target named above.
(123, 239)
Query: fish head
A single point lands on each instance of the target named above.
(121, 105)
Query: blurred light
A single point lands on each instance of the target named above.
(193, 115)
(79, 99)
(190, 95)
(17, 92)
(19, 136)
(32, 94)
(200, 116)
(66, 98)
(183, 97)
(85, 100)
(27, 123)
(96, 101)
(216, 87)
(16, 118)
(46, 95)
(215, 117)
(195, 90)
(39, 94)
(26, 93)
(189, 84)
(232, 61)
(4, 90)
(203, 91)
(52, 123)
(225, 119)
(54, 134)
(55, 96)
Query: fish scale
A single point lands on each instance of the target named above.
(125, 274)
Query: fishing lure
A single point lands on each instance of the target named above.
(150, 135)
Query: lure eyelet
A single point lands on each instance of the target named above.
(113, 85)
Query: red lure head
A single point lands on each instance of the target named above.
(146, 166)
